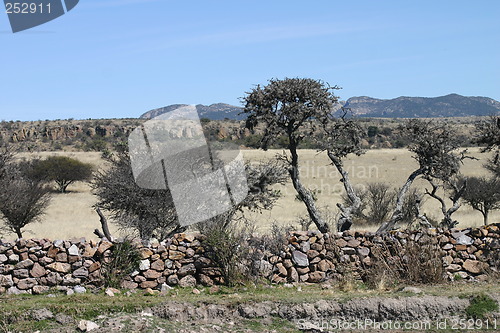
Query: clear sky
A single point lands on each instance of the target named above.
(121, 58)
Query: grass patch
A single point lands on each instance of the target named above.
(480, 306)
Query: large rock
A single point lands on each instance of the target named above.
(24, 264)
(316, 277)
(60, 267)
(300, 259)
(37, 271)
(473, 266)
(6, 281)
(26, 284)
(189, 269)
(81, 272)
(187, 281)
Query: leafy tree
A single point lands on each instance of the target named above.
(292, 107)
(483, 195)
(22, 200)
(434, 147)
(62, 170)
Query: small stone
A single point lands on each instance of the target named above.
(151, 292)
(196, 291)
(26, 284)
(109, 292)
(353, 243)
(73, 250)
(13, 258)
(20, 273)
(152, 274)
(316, 277)
(214, 289)
(145, 253)
(349, 250)
(158, 265)
(413, 290)
(144, 265)
(81, 272)
(189, 269)
(205, 280)
(363, 251)
(3, 258)
(63, 319)
(87, 325)
(6, 281)
(148, 284)
(37, 290)
(41, 314)
(79, 290)
(173, 280)
(281, 269)
(165, 288)
(58, 243)
(453, 268)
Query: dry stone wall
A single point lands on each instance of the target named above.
(35, 265)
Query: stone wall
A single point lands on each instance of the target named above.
(36, 265)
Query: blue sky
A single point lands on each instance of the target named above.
(121, 58)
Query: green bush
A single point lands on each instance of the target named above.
(480, 306)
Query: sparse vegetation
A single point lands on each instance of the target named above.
(480, 306)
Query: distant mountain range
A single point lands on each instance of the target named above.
(452, 105)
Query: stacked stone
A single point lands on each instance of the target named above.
(34, 265)
(179, 261)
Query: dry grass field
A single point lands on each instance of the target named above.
(71, 215)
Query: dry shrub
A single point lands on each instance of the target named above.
(411, 262)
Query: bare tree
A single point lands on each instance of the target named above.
(488, 134)
(292, 108)
(341, 138)
(457, 189)
(483, 195)
(151, 213)
(434, 148)
(22, 200)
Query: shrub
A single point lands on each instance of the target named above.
(410, 263)
(480, 305)
(123, 260)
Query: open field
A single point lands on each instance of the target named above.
(71, 214)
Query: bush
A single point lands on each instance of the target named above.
(124, 259)
(410, 263)
(480, 306)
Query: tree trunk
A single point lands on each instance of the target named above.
(345, 220)
(304, 194)
(19, 233)
(397, 215)
(485, 217)
(104, 224)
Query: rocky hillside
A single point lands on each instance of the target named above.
(219, 111)
(452, 105)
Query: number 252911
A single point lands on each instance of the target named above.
(27, 8)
